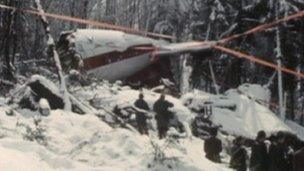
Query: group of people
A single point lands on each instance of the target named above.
(162, 117)
(275, 153)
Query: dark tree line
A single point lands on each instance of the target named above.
(10, 28)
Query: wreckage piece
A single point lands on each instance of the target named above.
(79, 107)
(42, 88)
(44, 107)
(111, 117)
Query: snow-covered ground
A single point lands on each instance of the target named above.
(68, 141)
(298, 129)
(83, 142)
(239, 111)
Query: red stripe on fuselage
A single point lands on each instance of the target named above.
(113, 57)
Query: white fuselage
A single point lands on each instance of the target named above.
(108, 54)
(122, 69)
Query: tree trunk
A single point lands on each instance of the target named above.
(54, 53)
(111, 11)
(9, 19)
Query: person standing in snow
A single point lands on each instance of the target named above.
(259, 160)
(141, 118)
(213, 147)
(239, 155)
(163, 115)
(281, 155)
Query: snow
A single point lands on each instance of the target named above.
(255, 91)
(124, 96)
(8, 158)
(46, 83)
(44, 107)
(298, 129)
(32, 157)
(238, 112)
(44, 104)
(85, 142)
(186, 74)
(2, 101)
(93, 42)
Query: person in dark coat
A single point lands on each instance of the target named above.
(163, 115)
(239, 155)
(259, 160)
(280, 155)
(141, 118)
(298, 163)
(213, 147)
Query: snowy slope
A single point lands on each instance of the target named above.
(84, 142)
(63, 132)
(108, 96)
(76, 142)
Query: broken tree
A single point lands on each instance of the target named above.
(54, 53)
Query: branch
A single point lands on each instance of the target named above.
(52, 48)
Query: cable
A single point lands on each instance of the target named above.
(263, 27)
(155, 35)
(217, 47)
(257, 60)
(90, 22)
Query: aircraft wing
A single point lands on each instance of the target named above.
(187, 47)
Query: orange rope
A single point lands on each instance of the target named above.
(90, 22)
(155, 35)
(257, 60)
(220, 48)
(263, 27)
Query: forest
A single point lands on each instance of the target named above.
(24, 46)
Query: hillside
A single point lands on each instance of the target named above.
(69, 141)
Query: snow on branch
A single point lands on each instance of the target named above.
(52, 48)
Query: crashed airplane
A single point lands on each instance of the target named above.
(115, 55)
